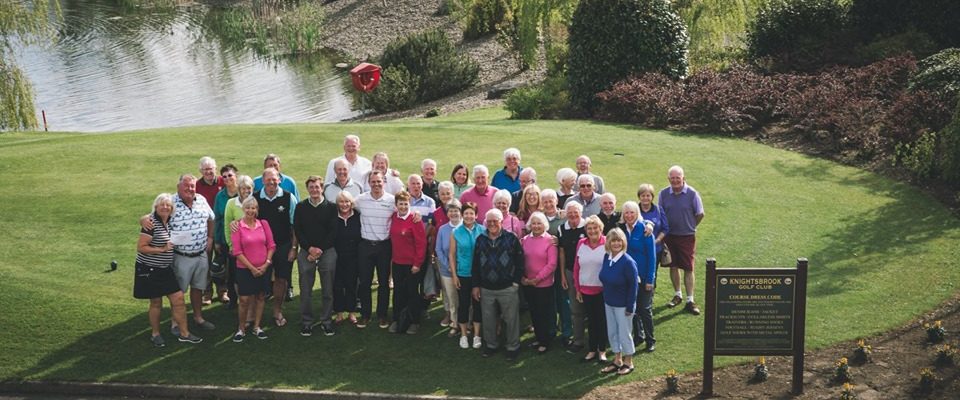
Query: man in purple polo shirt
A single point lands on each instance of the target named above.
(684, 210)
(481, 193)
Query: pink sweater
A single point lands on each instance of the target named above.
(253, 243)
(513, 224)
(540, 258)
(587, 266)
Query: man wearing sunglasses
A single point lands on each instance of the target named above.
(586, 196)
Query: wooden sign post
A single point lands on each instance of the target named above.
(755, 312)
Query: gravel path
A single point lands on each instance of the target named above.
(362, 29)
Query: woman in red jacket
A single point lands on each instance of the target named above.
(408, 240)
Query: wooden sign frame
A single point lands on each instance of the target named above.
(799, 309)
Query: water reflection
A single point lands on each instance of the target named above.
(118, 66)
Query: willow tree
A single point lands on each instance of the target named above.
(23, 22)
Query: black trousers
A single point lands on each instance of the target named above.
(543, 312)
(643, 318)
(406, 293)
(596, 322)
(345, 283)
(466, 301)
(374, 256)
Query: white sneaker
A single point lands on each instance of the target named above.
(464, 342)
(476, 342)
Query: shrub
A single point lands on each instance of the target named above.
(875, 19)
(737, 100)
(798, 35)
(939, 73)
(397, 90)
(485, 16)
(912, 42)
(613, 39)
(432, 68)
(449, 7)
(856, 112)
(547, 100)
(950, 150)
(918, 157)
(651, 99)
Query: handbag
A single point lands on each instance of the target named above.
(664, 258)
(218, 266)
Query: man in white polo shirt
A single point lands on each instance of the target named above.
(376, 207)
(359, 166)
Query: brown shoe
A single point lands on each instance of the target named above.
(692, 308)
(676, 301)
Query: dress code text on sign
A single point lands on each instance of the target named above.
(754, 313)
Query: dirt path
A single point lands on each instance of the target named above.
(892, 372)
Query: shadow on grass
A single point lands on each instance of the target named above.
(355, 360)
(900, 228)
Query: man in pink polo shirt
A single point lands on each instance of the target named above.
(481, 193)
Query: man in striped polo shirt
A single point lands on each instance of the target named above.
(376, 207)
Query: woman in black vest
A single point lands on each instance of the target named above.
(154, 277)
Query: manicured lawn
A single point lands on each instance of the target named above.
(880, 252)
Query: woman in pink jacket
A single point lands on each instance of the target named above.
(540, 260)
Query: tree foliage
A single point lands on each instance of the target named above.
(25, 22)
(799, 35)
(613, 39)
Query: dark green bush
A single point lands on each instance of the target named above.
(875, 19)
(486, 16)
(950, 154)
(547, 100)
(397, 90)
(432, 68)
(798, 35)
(913, 42)
(449, 7)
(939, 73)
(935, 154)
(613, 39)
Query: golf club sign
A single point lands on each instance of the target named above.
(755, 312)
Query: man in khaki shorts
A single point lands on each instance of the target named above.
(191, 230)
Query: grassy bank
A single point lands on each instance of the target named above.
(880, 252)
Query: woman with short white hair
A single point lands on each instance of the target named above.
(586, 281)
(509, 177)
(450, 296)
(154, 276)
(548, 204)
(567, 178)
(641, 248)
(571, 312)
(501, 201)
(540, 262)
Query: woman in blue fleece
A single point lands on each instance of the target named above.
(642, 249)
(619, 278)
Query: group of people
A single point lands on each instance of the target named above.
(489, 249)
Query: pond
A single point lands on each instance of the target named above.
(120, 65)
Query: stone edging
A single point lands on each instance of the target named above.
(62, 388)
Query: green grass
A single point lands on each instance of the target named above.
(880, 252)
